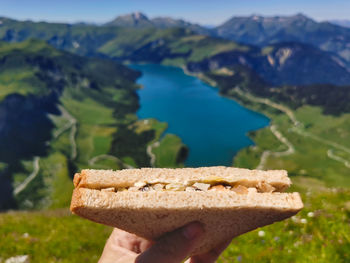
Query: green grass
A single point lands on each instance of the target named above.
(21, 81)
(58, 180)
(167, 151)
(95, 126)
(332, 128)
(89, 111)
(51, 236)
(322, 238)
(150, 124)
(29, 46)
(120, 45)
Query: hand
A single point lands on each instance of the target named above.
(174, 247)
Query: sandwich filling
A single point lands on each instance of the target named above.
(242, 187)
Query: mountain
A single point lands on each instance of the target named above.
(340, 22)
(295, 63)
(288, 63)
(182, 45)
(140, 20)
(137, 20)
(259, 30)
(264, 30)
(167, 22)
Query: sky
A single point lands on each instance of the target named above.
(205, 12)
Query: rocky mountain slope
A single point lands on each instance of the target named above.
(259, 30)
(140, 20)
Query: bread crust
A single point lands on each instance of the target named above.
(77, 200)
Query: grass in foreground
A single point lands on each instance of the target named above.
(319, 233)
(51, 236)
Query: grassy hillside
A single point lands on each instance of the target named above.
(312, 145)
(62, 113)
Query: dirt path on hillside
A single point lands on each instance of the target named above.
(331, 155)
(72, 125)
(151, 154)
(268, 153)
(30, 178)
(297, 128)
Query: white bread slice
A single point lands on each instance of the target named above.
(224, 214)
(97, 179)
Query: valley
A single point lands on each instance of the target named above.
(84, 119)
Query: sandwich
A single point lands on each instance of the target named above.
(150, 202)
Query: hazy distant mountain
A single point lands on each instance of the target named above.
(259, 30)
(288, 63)
(140, 20)
(341, 22)
(279, 63)
(263, 30)
(137, 19)
(167, 22)
(300, 64)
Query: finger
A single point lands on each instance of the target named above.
(212, 255)
(120, 238)
(113, 253)
(144, 245)
(175, 246)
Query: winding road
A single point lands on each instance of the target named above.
(151, 154)
(297, 129)
(30, 178)
(268, 153)
(331, 155)
(72, 125)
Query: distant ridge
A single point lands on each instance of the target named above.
(260, 30)
(341, 22)
(137, 19)
(140, 20)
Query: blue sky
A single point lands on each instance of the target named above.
(200, 11)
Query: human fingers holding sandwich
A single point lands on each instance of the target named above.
(174, 247)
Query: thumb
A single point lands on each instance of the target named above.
(175, 246)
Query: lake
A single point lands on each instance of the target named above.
(212, 126)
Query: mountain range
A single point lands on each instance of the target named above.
(136, 38)
(140, 20)
(341, 22)
(259, 30)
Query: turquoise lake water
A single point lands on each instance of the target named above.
(212, 126)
